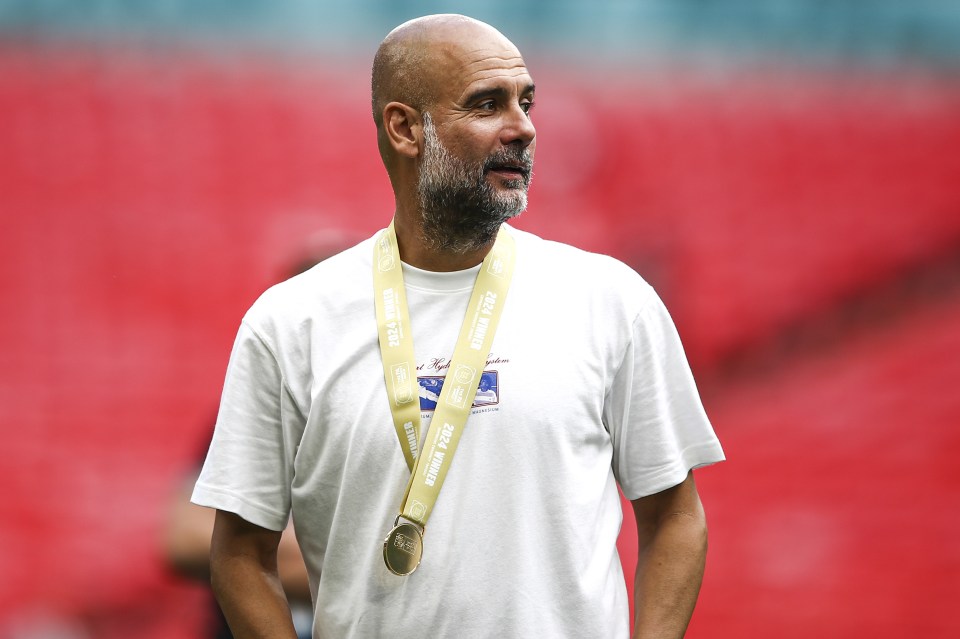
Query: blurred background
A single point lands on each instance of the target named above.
(787, 174)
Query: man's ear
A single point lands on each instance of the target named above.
(403, 126)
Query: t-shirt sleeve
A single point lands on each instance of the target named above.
(249, 466)
(653, 411)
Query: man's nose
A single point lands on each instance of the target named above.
(518, 128)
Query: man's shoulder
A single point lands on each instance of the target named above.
(576, 264)
(334, 284)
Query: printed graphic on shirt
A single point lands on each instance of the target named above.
(488, 392)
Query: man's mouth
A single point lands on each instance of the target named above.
(510, 169)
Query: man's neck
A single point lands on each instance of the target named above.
(442, 262)
(414, 252)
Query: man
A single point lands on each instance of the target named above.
(521, 540)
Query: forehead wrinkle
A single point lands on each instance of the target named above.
(487, 52)
(511, 62)
(513, 70)
(483, 74)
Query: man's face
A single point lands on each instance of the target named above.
(462, 203)
(477, 158)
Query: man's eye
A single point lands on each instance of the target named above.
(527, 107)
(487, 105)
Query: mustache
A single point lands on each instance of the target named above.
(515, 158)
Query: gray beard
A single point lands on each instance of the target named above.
(460, 210)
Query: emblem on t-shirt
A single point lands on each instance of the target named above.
(488, 392)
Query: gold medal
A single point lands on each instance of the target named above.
(403, 548)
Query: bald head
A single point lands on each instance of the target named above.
(414, 58)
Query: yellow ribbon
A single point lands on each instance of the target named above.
(474, 344)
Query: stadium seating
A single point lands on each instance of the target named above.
(147, 200)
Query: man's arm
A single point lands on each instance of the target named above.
(672, 539)
(187, 548)
(245, 579)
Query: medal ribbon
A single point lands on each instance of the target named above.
(474, 344)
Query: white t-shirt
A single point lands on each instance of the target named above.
(592, 388)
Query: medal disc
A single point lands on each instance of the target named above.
(403, 548)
